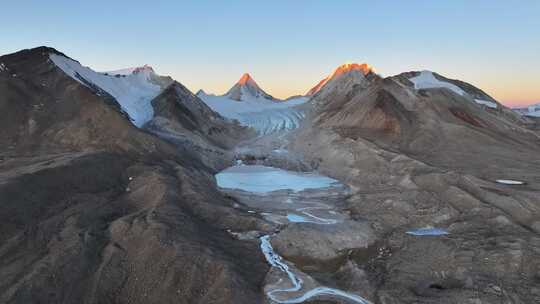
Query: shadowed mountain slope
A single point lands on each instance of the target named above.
(96, 210)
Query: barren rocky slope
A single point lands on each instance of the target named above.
(431, 157)
(95, 210)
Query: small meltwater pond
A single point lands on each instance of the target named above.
(295, 218)
(427, 231)
(262, 179)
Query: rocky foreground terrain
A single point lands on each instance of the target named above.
(427, 190)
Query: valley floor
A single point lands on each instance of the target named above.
(325, 249)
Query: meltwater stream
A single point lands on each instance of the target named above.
(275, 260)
(261, 180)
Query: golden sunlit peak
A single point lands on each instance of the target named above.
(347, 67)
(364, 68)
(245, 78)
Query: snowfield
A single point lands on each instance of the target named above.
(426, 80)
(134, 92)
(264, 115)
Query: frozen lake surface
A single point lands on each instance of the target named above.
(262, 179)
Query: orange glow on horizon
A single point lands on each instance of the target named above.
(283, 91)
(510, 91)
(518, 104)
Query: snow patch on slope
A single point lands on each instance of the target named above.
(509, 182)
(487, 103)
(426, 80)
(134, 92)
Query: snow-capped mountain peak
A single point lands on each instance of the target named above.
(246, 88)
(144, 68)
(250, 105)
(247, 80)
(133, 70)
(355, 70)
(133, 88)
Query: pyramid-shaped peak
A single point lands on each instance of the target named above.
(247, 88)
(245, 79)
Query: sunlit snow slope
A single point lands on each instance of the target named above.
(134, 90)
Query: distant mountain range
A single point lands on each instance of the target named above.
(109, 189)
(531, 110)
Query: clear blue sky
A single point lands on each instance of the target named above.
(288, 46)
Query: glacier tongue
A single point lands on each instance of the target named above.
(264, 115)
(133, 92)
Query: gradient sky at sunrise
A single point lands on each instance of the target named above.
(288, 46)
